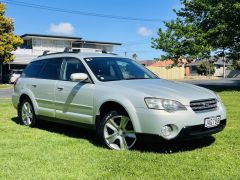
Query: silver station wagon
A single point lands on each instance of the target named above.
(116, 96)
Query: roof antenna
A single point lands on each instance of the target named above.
(67, 49)
(45, 52)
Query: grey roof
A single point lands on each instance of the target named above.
(49, 36)
(76, 39)
(147, 62)
(217, 61)
(100, 42)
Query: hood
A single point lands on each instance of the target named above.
(160, 88)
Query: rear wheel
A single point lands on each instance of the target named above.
(117, 131)
(26, 113)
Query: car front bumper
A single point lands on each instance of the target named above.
(200, 130)
(188, 123)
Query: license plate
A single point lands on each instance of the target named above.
(212, 121)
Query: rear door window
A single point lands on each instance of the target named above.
(33, 69)
(51, 69)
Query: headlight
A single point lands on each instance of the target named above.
(164, 104)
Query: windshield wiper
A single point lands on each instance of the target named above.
(135, 78)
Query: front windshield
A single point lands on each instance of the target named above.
(114, 69)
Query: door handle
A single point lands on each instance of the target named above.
(60, 88)
(34, 85)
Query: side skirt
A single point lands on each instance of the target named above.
(71, 123)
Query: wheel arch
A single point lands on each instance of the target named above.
(26, 95)
(22, 97)
(125, 106)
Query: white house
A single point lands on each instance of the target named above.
(35, 44)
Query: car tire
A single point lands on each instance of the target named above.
(116, 131)
(26, 113)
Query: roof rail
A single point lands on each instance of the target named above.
(45, 52)
(70, 50)
(105, 52)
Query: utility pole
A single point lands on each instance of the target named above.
(209, 69)
(224, 71)
(224, 65)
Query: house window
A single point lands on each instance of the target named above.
(36, 42)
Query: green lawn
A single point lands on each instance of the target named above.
(58, 152)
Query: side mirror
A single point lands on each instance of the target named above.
(78, 76)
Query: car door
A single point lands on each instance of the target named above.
(44, 86)
(74, 100)
(30, 76)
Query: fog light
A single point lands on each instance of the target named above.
(166, 130)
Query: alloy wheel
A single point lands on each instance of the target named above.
(119, 133)
(27, 114)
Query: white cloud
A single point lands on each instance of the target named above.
(63, 28)
(143, 31)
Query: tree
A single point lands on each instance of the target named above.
(135, 56)
(8, 41)
(202, 27)
(181, 39)
(219, 20)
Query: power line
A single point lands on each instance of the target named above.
(137, 51)
(84, 13)
(135, 43)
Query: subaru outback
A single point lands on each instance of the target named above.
(117, 97)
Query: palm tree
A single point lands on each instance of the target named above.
(135, 56)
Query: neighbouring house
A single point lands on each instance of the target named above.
(147, 62)
(35, 44)
(163, 63)
(169, 62)
(218, 65)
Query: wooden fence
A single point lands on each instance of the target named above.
(168, 72)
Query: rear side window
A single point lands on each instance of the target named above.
(51, 69)
(33, 69)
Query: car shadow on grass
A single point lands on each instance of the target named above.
(167, 147)
(152, 145)
(66, 130)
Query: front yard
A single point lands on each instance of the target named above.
(4, 86)
(58, 152)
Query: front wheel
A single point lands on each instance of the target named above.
(26, 113)
(117, 131)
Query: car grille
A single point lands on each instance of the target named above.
(204, 105)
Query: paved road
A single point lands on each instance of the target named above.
(233, 83)
(219, 83)
(6, 93)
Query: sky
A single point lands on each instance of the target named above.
(134, 35)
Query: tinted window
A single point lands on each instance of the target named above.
(113, 69)
(33, 69)
(72, 65)
(51, 69)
